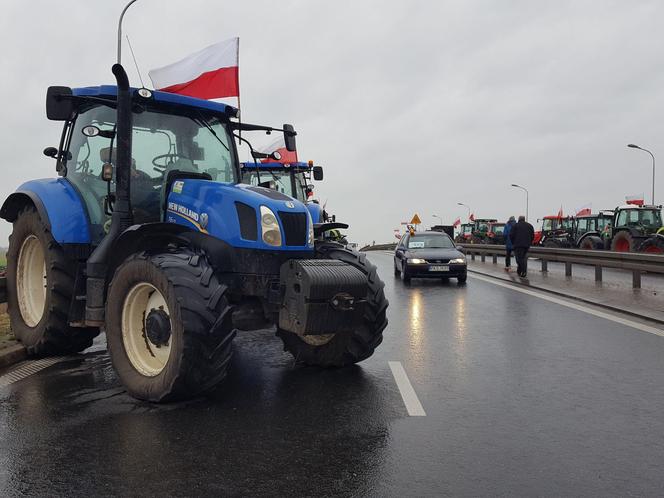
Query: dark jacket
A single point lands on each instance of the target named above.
(522, 234)
(506, 233)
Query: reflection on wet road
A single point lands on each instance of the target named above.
(522, 397)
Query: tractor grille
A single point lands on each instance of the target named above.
(295, 228)
(247, 217)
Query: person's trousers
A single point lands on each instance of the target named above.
(508, 257)
(521, 254)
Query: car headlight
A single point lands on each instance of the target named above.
(270, 227)
(310, 237)
(417, 261)
(458, 261)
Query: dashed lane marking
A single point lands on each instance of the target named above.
(408, 394)
(586, 309)
(29, 368)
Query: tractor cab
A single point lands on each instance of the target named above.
(480, 229)
(465, 232)
(496, 233)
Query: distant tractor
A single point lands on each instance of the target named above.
(636, 228)
(589, 230)
(556, 231)
(465, 233)
(481, 229)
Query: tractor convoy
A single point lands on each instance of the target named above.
(150, 235)
(632, 227)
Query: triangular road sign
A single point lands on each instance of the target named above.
(416, 220)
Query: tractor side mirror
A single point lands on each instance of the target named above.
(51, 152)
(318, 173)
(59, 105)
(289, 138)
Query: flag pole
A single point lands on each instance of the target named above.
(239, 106)
(120, 31)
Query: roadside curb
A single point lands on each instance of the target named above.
(12, 354)
(569, 296)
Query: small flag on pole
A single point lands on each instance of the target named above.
(635, 200)
(211, 73)
(471, 217)
(457, 222)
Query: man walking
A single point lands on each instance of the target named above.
(522, 235)
(508, 242)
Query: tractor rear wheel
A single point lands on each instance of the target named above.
(623, 242)
(592, 243)
(653, 245)
(40, 287)
(169, 326)
(341, 349)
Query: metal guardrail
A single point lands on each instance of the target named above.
(637, 263)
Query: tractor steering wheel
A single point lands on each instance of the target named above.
(173, 156)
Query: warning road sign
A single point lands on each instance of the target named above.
(416, 220)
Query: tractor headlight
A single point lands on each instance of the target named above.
(458, 261)
(310, 237)
(270, 227)
(417, 261)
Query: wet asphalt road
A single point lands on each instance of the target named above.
(522, 397)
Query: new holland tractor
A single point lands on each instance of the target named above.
(149, 235)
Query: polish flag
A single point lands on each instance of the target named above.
(635, 200)
(457, 222)
(279, 146)
(471, 217)
(584, 210)
(560, 213)
(211, 73)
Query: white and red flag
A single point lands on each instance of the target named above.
(560, 213)
(584, 210)
(635, 200)
(457, 222)
(471, 217)
(285, 156)
(211, 73)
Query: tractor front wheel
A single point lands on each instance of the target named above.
(169, 327)
(592, 243)
(347, 348)
(40, 287)
(653, 245)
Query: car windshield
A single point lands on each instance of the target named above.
(498, 229)
(430, 241)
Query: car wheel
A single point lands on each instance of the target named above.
(462, 279)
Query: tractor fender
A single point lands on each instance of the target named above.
(159, 236)
(316, 212)
(59, 205)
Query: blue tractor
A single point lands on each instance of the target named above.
(149, 235)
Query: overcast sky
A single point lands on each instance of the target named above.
(410, 106)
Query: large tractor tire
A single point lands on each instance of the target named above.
(653, 245)
(40, 288)
(341, 349)
(623, 242)
(169, 326)
(592, 243)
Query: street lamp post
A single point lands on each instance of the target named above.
(653, 168)
(436, 216)
(526, 191)
(466, 206)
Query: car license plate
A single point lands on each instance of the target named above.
(439, 268)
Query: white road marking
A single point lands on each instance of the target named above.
(29, 368)
(580, 307)
(408, 394)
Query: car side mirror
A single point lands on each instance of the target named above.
(289, 137)
(59, 105)
(318, 173)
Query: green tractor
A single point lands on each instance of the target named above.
(636, 228)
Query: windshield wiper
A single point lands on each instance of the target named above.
(202, 120)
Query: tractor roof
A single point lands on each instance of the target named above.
(300, 166)
(163, 97)
(636, 206)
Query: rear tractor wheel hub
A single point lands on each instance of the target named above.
(158, 327)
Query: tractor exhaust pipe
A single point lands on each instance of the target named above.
(121, 219)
